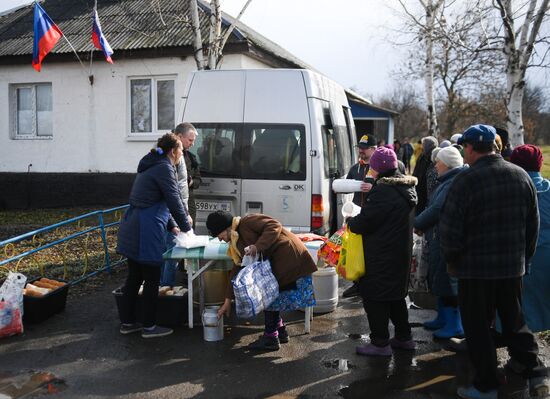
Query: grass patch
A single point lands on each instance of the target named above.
(546, 165)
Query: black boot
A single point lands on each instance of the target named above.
(265, 343)
(351, 291)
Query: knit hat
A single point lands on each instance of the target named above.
(528, 156)
(428, 144)
(434, 153)
(218, 221)
(383, 159)
(455, 137)
(444, 143)
(451, 157)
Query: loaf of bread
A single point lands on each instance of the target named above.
(43, 284)
(33, 290)
(53, 282)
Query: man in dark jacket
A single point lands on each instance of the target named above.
(488, 228)
(187, 134)
(425, 173)
(359, 171)
(386, 222)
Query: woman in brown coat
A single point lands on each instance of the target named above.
(290, 261)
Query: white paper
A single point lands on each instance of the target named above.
(190, 240)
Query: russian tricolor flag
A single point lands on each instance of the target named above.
(46, 35)
(99, 40)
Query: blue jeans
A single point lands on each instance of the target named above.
(168, 272)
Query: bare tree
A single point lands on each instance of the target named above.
(216, 40)
(425, 26)
(518, 48)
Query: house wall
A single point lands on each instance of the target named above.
(91, 123)
(90, 147)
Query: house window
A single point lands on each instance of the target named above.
(152, 107)
(32, 110)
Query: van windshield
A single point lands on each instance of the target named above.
(251, 151)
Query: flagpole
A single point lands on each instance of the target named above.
(74, 51)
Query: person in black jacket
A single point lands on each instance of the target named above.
(425, 172)
(386, 222)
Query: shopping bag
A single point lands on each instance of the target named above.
(351, 264)
(255, 288)
(418, 281)
(11, 305)
(329, 252)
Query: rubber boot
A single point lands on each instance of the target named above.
(439, 321)
(453, 324)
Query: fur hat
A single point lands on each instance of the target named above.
(218, 221)
(528, 156)
(383, 159)
(451, 157)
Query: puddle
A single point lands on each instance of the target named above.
(357, 336)
(22, 384)
(339, 364)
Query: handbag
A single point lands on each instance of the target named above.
(255, 288)
(351, 264)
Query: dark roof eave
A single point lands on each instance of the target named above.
(156, 52)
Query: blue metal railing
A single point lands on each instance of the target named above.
(101, 227)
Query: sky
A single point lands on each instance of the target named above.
(348, 41)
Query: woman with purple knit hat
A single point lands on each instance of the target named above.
(385, 222)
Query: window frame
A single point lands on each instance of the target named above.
(14, 119)
(155, 132)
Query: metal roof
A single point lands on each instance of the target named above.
(127, 25)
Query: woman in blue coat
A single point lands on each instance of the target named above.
(155, 207)
(447, 324)
(535, 292)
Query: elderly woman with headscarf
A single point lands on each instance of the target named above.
(425, 173)
(290, 260)
(536, 284)
(447, 324)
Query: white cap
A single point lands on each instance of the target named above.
(451, 157)
(455, 137)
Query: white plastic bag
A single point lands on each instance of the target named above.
(11, 305)
(419, 265)
(191, 240)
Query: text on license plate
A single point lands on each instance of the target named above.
(211, 206)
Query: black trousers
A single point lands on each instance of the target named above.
(379, 313)
(149, 275)
(478, 300)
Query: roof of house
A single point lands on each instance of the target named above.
(135, 28)
(132, 27)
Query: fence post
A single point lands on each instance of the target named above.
(105, 245)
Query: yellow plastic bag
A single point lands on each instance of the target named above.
(351, 264)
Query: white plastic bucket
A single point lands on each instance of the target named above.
(212, 327)
(325, 286)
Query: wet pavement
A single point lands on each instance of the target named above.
(80, 354)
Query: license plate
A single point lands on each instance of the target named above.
(211, 206)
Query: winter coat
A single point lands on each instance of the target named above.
(289, 257)
(358, 172)
(440, 283)
(536, 284)
(423, 163)
(154, 199)
(385, 222)
(489, 222)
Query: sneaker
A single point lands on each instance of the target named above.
(539, 387)
(265, 343)
(472, 392)
(283, 335)
(373, 350)
(408, 345)
(130, 328)
(156, 331)
(351, 291)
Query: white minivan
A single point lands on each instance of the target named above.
(270, 141)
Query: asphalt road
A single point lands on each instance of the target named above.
(80, 354)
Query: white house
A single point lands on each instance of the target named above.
(74, 133)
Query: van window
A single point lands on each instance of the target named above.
(251, 151)
(330, 154)
(214, 147)
(273, 152)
